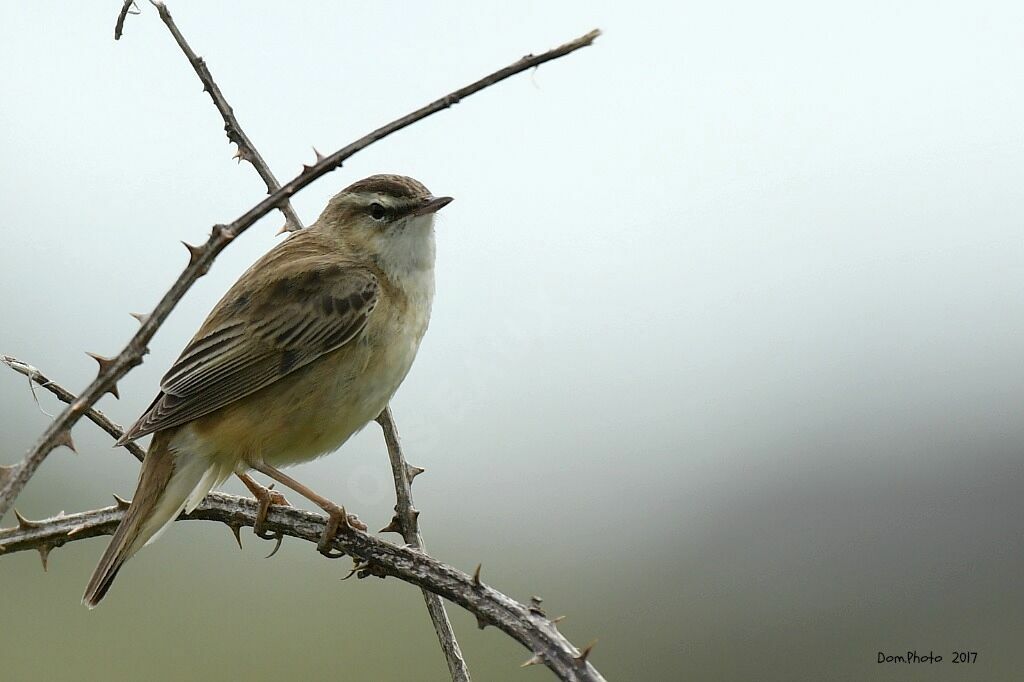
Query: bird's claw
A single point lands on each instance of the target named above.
(337, 518)
(267, 497)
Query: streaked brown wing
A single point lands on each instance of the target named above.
(288, 323)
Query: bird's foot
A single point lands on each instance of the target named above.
(337, 518)
(267, 497)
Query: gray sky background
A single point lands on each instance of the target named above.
(724, 361)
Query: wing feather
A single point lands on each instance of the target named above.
(285, 325)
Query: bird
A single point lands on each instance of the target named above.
(306, 348)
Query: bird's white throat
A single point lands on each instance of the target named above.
(407, 253)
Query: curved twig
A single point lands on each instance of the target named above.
(13, 479)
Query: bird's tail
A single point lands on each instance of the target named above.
(169, 482)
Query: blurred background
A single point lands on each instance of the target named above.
(724, 361)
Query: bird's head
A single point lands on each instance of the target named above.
(391, 217)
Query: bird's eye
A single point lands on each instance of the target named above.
(377, 212)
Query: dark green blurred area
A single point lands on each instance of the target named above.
(724, 362)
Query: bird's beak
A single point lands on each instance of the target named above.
(432, 205)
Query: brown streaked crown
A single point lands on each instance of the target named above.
(399, 186)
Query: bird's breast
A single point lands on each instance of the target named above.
(315, 409)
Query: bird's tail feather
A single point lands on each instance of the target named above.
(168, 482)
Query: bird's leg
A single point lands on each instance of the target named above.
(266, 497)
(337, 517)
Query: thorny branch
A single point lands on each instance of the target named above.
(374, 556)
(526, 624)
(246, 149)
(406, 522)
(14, 478)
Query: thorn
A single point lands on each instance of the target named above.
(236, 531)
(277, 545)
(65, 439)
(481, 622)
(104, 362)
(533, 660)
(319, 157)
(44, 554)
(240, 154)
(24, 523)
(415, 513)
(412, 472)
(395, 526)
(141, 317)
(476, 576)
(287, 227)
(194, 252)
(559, 619)
(582, 658)
(122, 503)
